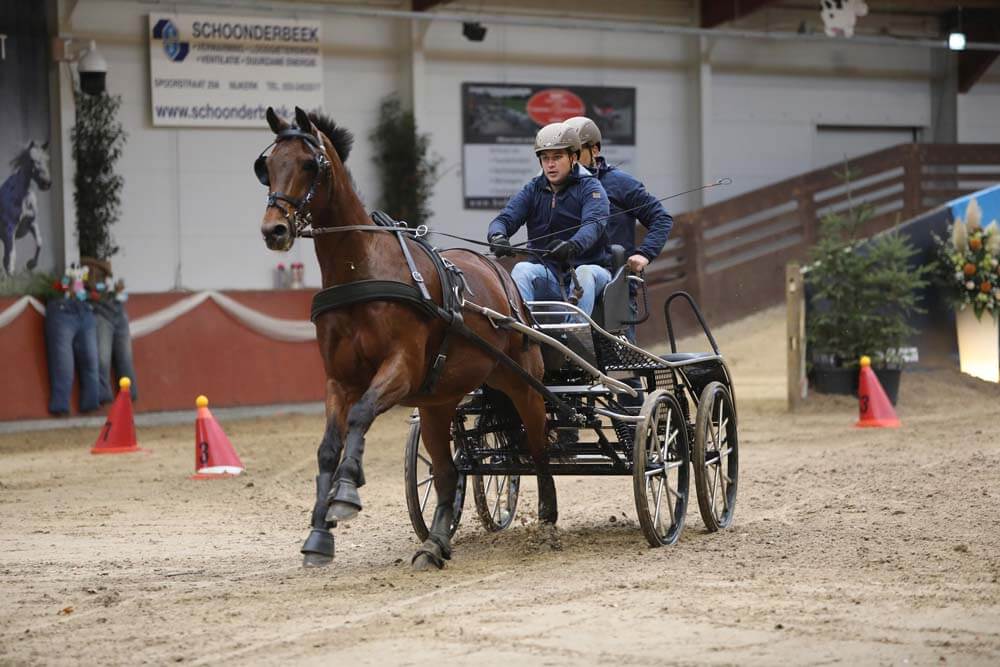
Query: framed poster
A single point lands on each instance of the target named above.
(500, 120)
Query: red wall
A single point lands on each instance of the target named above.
(205, 351)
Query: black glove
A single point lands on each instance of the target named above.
(500, 246)
(562, 251)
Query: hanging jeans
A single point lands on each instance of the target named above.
(71, 335)
(114, 347)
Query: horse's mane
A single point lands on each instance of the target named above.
(22, 160)
(340, 137)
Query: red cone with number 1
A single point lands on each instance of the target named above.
(874, 406)
(214, 455)
(118, 434)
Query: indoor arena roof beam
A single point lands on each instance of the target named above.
(717, 12)
(306, 8)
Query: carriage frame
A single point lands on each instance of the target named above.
(652, 417)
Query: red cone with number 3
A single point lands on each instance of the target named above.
(214, 455)
(874, 406)
(118, 434)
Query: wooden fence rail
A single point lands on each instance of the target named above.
(731, 256)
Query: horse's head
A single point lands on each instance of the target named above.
(36, 161)
(297, 172)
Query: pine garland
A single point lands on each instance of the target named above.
(98, 138)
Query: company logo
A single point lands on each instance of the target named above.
(175, 49)
(553, 105)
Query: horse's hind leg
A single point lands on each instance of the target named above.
(531, 408)
(390, 384)
(435, 430)
(318, 548)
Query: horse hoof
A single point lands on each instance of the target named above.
(345, 503)
(341, 512)
(423, 562)
(311, 560)
(318, 548)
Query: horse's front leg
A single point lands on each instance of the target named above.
(35, 234)
(318, 548)
(8, 255)
(392, 382)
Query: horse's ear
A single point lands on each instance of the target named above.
(302, 120)
(277, 124)
(45, 146)
(31, 144)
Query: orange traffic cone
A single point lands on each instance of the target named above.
(118, 434)
(214, 455)
(875, 407)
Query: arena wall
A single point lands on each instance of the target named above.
(191, 205)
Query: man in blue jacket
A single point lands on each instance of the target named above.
(626, 193)
(629, 201)
(566, 211)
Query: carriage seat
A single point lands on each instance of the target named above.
(613, 307)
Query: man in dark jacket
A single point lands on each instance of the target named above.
(625, 193)
(566, 211)
(629, 201)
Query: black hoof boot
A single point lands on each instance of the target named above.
(430, 555)
(318, 549)
(345, 503)
(548, 508)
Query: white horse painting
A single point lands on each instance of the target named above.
(18, 204)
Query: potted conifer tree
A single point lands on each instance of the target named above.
(862, 296)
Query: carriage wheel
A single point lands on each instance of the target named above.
(495, 495)
(660, 474)
(418, 473)
(716, 456)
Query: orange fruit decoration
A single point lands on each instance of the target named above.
(970, 269)
(976, 243)
(985, 287)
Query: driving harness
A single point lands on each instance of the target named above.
(453, 284)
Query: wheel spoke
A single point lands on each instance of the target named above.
(424, 459)
(427, 494)
(659, 492)
(722, 487)
(496, 505)
(656, 471)
(671, 504)
(428, 480)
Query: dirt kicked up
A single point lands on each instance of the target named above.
(849, 546)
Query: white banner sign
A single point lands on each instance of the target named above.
(225, 70)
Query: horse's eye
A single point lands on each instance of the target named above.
(309, 165)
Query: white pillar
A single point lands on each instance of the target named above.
(704, 102)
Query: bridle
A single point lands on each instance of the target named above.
(296, 211)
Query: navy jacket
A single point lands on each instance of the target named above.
(626, 194)
(581, 201)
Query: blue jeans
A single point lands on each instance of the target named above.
(71, 334)
(538, 282)
(114, 347)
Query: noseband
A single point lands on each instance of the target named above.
(297, 211)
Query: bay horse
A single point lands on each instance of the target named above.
(377, 354)
(18, 206)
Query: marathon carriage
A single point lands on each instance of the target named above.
(613, 409)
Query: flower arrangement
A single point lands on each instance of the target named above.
(970, 262)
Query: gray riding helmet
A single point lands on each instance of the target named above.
(555, 136)
(590, 134)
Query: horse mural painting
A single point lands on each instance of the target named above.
(379, 353)
(18, 206)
